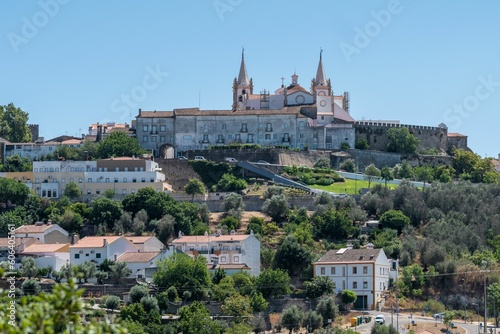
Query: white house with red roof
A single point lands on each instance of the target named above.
(97, 249)
(144, 264)
(48, 255)
(46, 233)
(233, 252)
(365, 271)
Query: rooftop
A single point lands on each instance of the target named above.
(45, 248)
(210, 238)
(95, 242)
(35, 228)
(350, 255)
(137, 257)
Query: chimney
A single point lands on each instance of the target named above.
(104, 242)
(76, 238)
(370, 246)
(140, 111)
(21, 245)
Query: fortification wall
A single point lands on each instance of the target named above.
(376, 135)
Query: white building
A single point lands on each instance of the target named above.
(144, 264)
(124, 175)
(97, 249)
(232, 252)
(365, 271)
(147, 243)
(48, 255)
(293, 116)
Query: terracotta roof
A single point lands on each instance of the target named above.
(33, 228)
(95, 242)
(455, 134)
(211, 238)
(154, 114)
(137, 257)
(45, 248)
(124, 158)
(138, 240)
(350, 255)
(242, 266)
(4, 242)
(296, 88)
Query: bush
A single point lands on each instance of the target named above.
(112, 302)
(345, 146)
(150, 303)
(361, 144)
(31, 287)
(231, 222)
(324, 181)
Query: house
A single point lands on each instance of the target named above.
(367, 272)
(148, 243)
(19, 245)
(230, 252)
(46, 233)
(144, 264)
(97, 249)
(48, 255)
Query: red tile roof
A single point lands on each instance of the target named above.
(95, 242)
(33, 228)
(350, 255)
(4, 242)
(46, 248)
(137, 257)
(138, 239)
(211, 238)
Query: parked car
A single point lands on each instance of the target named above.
(229, 159)
(438, 316)
(181, 157)
(199, 157)
(263, 162)
(380, 319)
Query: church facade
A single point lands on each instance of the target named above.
(292, 116)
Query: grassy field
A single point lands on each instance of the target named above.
(350, 187)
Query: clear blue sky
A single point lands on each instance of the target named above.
(420, 62)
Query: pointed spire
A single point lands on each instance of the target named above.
(320, 74)
(243, 77)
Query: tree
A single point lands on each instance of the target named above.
(424, 174)
(71, 221)
(72, 191)
(383, 329)
(15, 163)
(273, 190)
(194, 187)
(277, 208)
(292, 256)
(150, 303)
(258, 302)
(28, 267)
(272, 283)
(494, 299)
(400, 140)
(332, 224)
(405, 171)
(319, 286)
(112, 302)
(412, 281)
(237, 306)
(119, 144)
(137, 292)
(184, 273)
(371, 173)
(361, 144)
(312, 321)
(31, 287)
(386, 174)
(14, 124)
(119, 270)
(328, 309)
(348, 297)
(57, 312)
(105, 211)
(229, 182)
(349, 165)
(13, 192)
(394, 219)
(292, 318)
(87, 270)
(195, 319)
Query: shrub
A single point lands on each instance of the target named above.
(112, 302)
(31, 287)
(137, 293)
(231, 222)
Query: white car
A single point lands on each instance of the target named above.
(199, 157)
(380, 319)
(229, 159)
(438, 316)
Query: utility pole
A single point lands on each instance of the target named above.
(485, 303)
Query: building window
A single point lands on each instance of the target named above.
(154, 129)
(236, 259)
(154, 139)
(322, 270)
(223, 126)
(124, 191)
(343, 271)
(143, 179)
(301, 124)
(71, 180)
(220, 139)
(89, 191)
(365, 285)
(132, 191)
(268, 136)
(229, 136)
(286, 137)
(244, 127)
(343, 285)
(89, 180)
(97, 191)
(162, 139)
(354, 270)
(332, 271)
(107, 180)
(163, 128)
(80, 180)
(145, 128)
(124, 180)
(365, 270)
(354, 285)
(250, 138)
(77, 256)
(237, 137)
(205, 138)
(269, 127)
(301, 136)
(145, 139)
(223, 259)
(275, 136)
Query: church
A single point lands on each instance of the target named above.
(292, 116)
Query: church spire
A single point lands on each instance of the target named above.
(243, 77)
(320, 74)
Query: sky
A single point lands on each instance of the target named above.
(72, 63)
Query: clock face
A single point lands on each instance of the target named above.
(322, 103)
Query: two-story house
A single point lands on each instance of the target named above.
(144, 264)
(233, 253)
(48, 255)
(147, 243)
(365, 271)
(97, 249)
